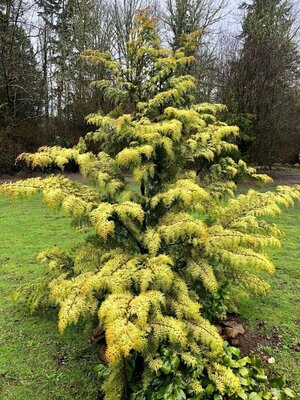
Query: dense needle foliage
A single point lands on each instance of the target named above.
(170, 232)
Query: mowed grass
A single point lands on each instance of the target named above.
(279, 311)
(36, 362)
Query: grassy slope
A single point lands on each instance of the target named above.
(280, 309)
(36, 362)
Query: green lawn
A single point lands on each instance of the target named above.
(280, 309)
(36, 362)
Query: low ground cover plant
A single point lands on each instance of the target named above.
(168, 233)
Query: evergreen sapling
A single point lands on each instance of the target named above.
(167, 230)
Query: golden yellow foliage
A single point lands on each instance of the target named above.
(163, 247)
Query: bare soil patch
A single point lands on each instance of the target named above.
(253, 339)
(288, 177)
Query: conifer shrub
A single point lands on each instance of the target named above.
(167, 231)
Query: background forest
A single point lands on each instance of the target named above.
(247, 58)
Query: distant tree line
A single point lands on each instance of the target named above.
(45, 90)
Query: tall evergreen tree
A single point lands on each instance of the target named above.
(186, 16)
(160, 250)
(20, 80)
(262, 79)
(183, 17)
(70, 27)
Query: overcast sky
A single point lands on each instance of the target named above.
(229, 25)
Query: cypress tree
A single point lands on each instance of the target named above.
(167, 229)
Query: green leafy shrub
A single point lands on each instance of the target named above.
(180, 378)
(167, 232)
